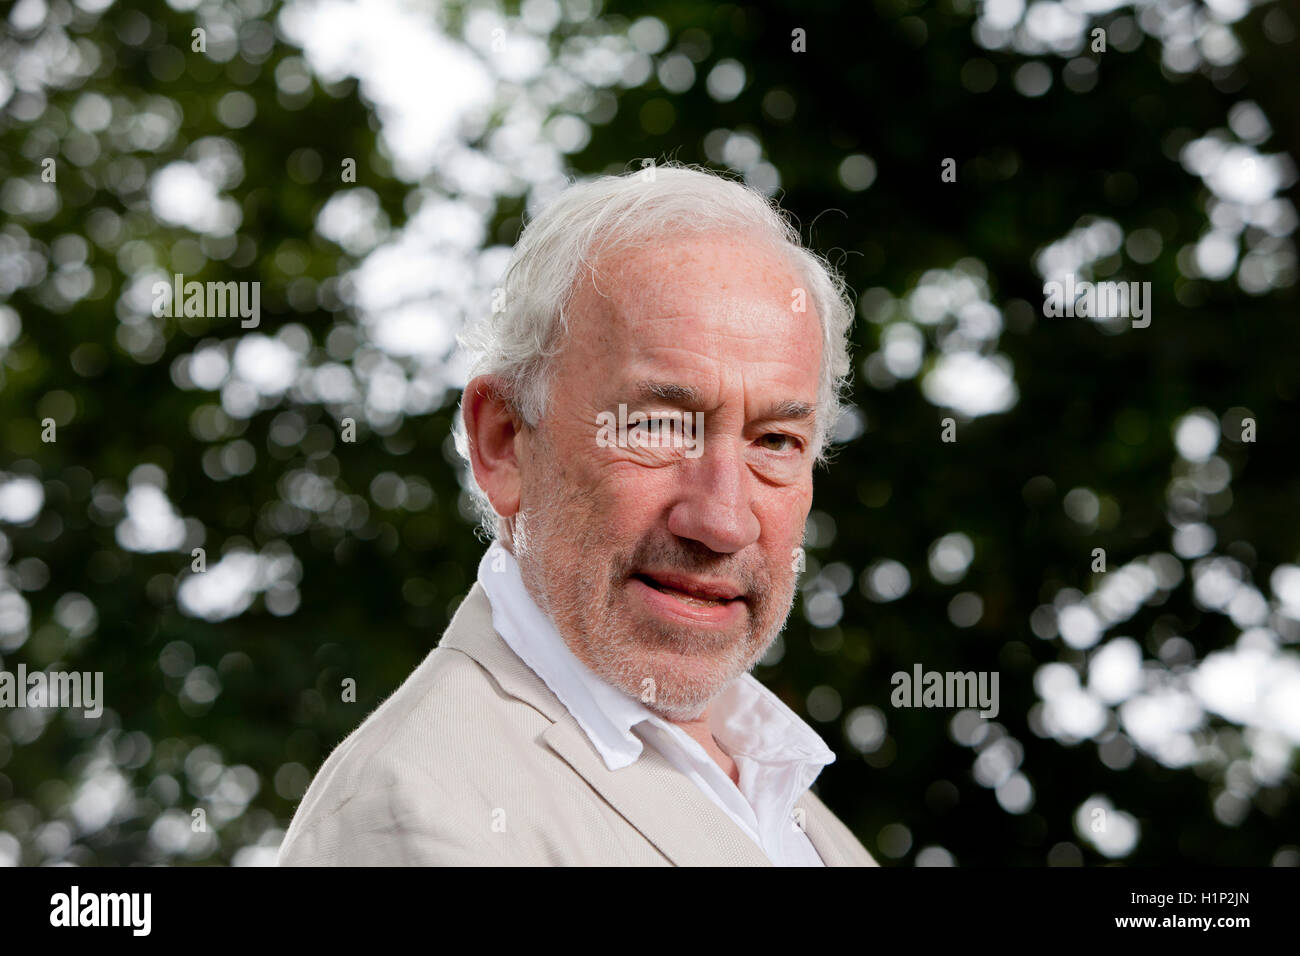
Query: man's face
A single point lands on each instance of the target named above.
(669, 570)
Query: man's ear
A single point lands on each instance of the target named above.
(492, 425)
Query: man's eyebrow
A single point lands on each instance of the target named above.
(669, 392)
(789, 410)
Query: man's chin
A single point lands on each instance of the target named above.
(676, 688)
(680, 670)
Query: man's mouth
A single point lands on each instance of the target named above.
(698, 592)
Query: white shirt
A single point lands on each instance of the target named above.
(777, 754)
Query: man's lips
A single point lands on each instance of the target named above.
(705, 590)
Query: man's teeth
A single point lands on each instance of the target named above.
(683, 596)
(691, 599)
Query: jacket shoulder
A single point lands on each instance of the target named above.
(424, 758)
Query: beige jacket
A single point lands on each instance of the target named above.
(474, 762)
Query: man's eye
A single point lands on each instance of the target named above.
(779, 442)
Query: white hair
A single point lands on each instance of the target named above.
(517, 340)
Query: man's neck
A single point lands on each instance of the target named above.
(699, 731)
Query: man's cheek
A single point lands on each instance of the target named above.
(783, 542)
(629, 490)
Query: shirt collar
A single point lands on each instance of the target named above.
(746, 718)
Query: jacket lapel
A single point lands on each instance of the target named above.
(815, 826)
(683, 823)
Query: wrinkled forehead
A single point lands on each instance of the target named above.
(710, 288)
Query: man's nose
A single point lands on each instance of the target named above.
(715, 506)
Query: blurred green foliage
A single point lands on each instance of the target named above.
(371, 581)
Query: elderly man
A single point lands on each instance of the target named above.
(641, 429)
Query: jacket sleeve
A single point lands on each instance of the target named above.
(397, 826)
